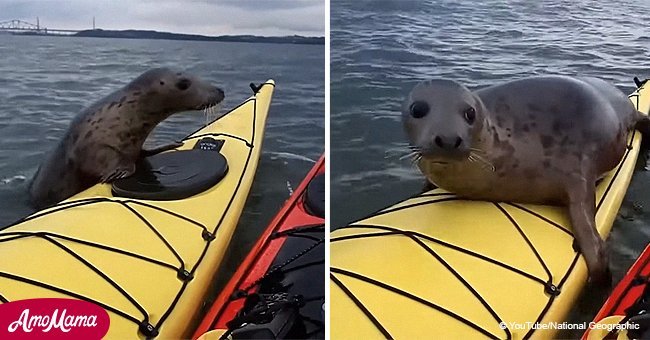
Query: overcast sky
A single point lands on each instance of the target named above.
(209, 17)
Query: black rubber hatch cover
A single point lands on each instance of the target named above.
(173, 175)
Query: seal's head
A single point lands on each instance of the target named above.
(442, 119)
(164, 91)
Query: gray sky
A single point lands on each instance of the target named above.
(209, 17)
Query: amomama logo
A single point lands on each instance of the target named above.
(52, 319)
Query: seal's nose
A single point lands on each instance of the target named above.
(218, 94)
(448, 143)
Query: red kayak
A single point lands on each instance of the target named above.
(279, 289)
(626, 313)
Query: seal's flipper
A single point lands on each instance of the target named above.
(582, 209)
(121, 171)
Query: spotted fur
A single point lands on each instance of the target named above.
(104, 141)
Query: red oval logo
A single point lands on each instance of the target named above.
(52, 318)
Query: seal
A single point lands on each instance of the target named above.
(104, 141)
(542, 140)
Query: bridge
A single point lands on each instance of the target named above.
(24, 27)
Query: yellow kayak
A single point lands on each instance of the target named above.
(146, 250)
(436, 266)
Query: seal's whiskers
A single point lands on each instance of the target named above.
(413, 147)
(400, 153)
(478, 151)
(211, 113)
(485, 164)
(205, 113)
(393, 153)
(411, 154)
(416, 159)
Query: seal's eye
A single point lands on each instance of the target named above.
(470, 115)
(183, 84)
(419, 109)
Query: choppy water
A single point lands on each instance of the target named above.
(45, 81)
(381, 49)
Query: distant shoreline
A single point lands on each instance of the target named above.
(146, 34)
